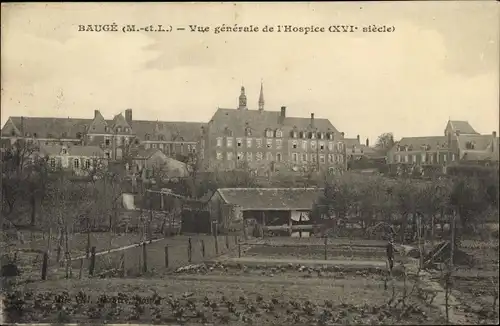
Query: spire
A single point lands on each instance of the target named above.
(242, 100)
(261, 97)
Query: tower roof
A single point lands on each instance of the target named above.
(261, 97)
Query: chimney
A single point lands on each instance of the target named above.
(357, 137)
(128, 115)
(282, 115)
(367, 142)
(96, 112)
(342, 134)
(312, 119)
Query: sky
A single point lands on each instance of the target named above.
(441, 62)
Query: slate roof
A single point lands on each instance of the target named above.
(471, 155)
(84, 151)
(463, 126)
(171, 131)
(434, 142)
(142, 153)
(481, 142)
(258, 121)
(271, 198)
(56, 127)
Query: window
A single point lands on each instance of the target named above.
(182, 148)
(219, 155)
(147, 146)
(147, 136)
(106, 129)
(87, 164)
(229, 142)
(269, 156)
(76, 163)
(269, 143)
(49, 135)
(239, 142)
(330, 158)
(249, 142)
(322, 135)
(314, 157)
(431, 158)
(294, 144)
(108, 154)
(453, 157)
(153, 145)
(278, 143)
(258, 142)
(119, 129)
(64, 151)
(437, 158)
(125, 129)
(258, 156)
(397, 158)
(407, 157)
(219, 141)
(444, 158)
(107, 141)
(330, 136)
(303, 135)
(313, 145)
(229, 156)
(423, 160)
(52, 162)
(322, 158)
(294, 134)
(13, 133)
(304, 157)
(279, 133)
(330, 146)
(118, 141)
(240, 156)
(193, 148)
(269, 133)
(278, 157)
(313, 135)
(321, 146)
(341, 158)
(304, 145)
(249, 156)
(294, 157)
(189, 148)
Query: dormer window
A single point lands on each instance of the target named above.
(161, 137)
(313, 135)
(27, 134)
(321, 135)
(269, 133)
(119, 129)
(106, 129)
(147, 137)
(78, 135)
(64, 151)
(12, 133)
(248, 130)
(410, 148)
(330, 136)
(64, 135)
(279, 133)
(35, 135)
(49, 135)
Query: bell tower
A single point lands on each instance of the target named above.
(242, 100)
(261, 97)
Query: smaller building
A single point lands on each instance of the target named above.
(276, 209)
(79, 159)
(153, 160)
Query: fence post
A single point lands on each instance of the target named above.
(145, 258)
(44, 265)
(326, 243)
(203, 248)
(227, 241)
(166, 256)
(189, 250)
(92, 261)
(80, 273)
(216, 245)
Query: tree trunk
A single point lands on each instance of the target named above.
(33, 209)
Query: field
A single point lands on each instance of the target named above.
(270, 291)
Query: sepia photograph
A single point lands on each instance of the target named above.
(250, 163)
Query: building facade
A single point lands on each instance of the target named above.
(268, 141)
(460, 144)
(115, 137)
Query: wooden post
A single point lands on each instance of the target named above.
(326, 246)
(203, 248)
(189, 250)
(92, 261)
(166, 256)
(145, 257)
(44, 265)
(80, 274)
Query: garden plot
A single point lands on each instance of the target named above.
(256, 299)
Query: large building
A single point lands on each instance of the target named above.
(459, 144)
(264, 140)
(116, 137)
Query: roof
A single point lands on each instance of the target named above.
(238, 121)
(171, 131)
(350, 142)
(142, 153)
(56, 127)
(271, 198)
(85, 151)
(51, 127)
(463, 126)
(434, 142)
(481, 142)
(471, 155)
